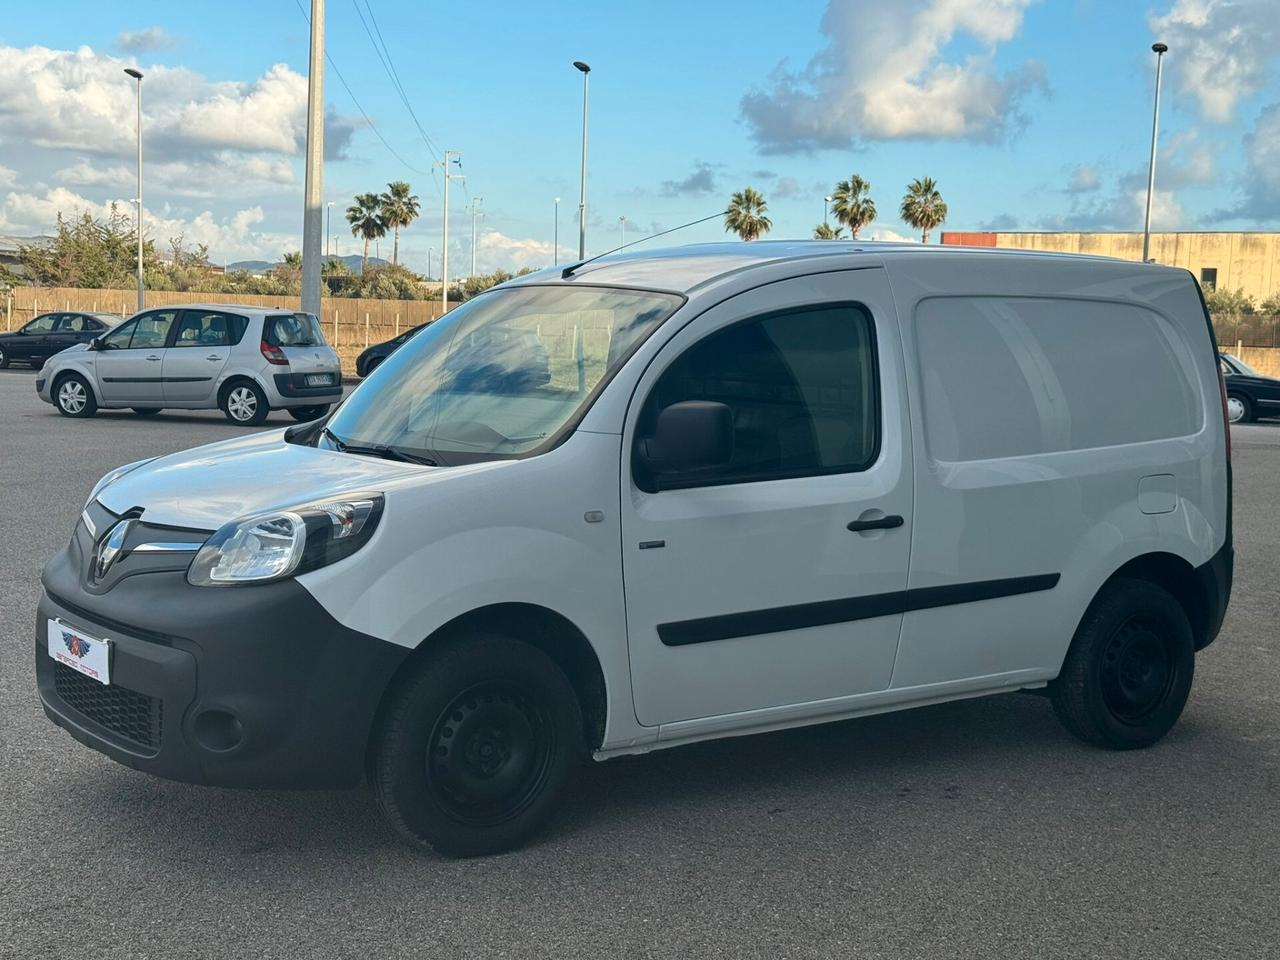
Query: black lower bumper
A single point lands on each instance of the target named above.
(240, 686)
(1215, 584)
(294, 386)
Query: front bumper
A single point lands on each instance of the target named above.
(239, 686)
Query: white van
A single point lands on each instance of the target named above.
(664, 497)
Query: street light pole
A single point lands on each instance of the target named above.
(313, 187)
(555, 241)
(1159, 50)
(474, 205)
(825, 201)
(582, 187)
(622, 232)
(328, 226)
(450, 156)
(137, 75)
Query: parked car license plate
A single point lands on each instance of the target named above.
(80, 652)
(319, 379)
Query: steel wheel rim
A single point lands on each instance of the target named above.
(1138, 671)
(489, 754)
(1235, 409)
(242, 403)
(71, 396)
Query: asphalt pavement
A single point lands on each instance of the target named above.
(972, 829)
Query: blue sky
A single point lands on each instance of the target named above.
(1030, 115)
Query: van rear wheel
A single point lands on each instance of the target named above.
(477, 745)
(1128, 673)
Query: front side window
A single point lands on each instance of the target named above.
(152, 330)
(294, 330)
(801, 386)
(206, 328)
(41, 324)
(118, 339)
(501, 375)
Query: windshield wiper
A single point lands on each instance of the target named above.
(383, 450)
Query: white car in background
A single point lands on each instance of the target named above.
(245, 361)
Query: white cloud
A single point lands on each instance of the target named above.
(1084, 179)
(884, 75)
(143, 41)
(235, 237)
(8, 176)
(223, 173)
(495, 249)
(1122, 210)
(1262, 160)
(1218, 50)
(877, 232)
(81, 100)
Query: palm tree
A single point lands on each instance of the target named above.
(365, 217)
(923, 206)
(399, 209)
(853, 207)
(746, 215)
(825, 231)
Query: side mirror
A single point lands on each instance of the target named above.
(95, 343)
(688, 438)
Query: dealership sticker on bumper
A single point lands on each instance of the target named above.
(80, 652)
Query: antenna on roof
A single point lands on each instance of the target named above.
(568, 271)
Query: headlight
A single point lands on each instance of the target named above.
(272, 546)
(113, 476)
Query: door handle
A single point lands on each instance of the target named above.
(153, 358)
(213, 356)
(891, 522)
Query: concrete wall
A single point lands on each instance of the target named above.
(1244, 261)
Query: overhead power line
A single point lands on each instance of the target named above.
(347, 87)
(389, 64)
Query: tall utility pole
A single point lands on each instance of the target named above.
(555, 237)
(137, 75)
(1159, 50)
(475, 206)
(622, 232)
(328, 226)
(582, 187)
(450, 156)
(313, 203)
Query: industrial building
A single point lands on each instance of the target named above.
(1249, 262)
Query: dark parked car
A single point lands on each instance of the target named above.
(1249, 394)
(368, 361)
(51, 333)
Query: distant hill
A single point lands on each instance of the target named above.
(262, 266)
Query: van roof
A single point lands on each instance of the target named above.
(681, 269)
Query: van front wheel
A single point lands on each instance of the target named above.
(477, 745)
(1128, 673)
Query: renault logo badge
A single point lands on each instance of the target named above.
(109, 547)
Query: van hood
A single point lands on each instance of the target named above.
(208, 486)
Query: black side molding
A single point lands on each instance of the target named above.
(847, 609)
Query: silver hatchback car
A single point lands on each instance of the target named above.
(245, 361)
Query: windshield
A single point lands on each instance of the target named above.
(294, 330)
(501, 374)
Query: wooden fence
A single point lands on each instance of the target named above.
(350, 325)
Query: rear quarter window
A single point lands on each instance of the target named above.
(1007, 377)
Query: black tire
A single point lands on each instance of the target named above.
(145, 411)
(1128, 673)
(307, 414)
(1249, 414)
(244, 403)
(477, 745)
(4, 359)
(73, 397)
